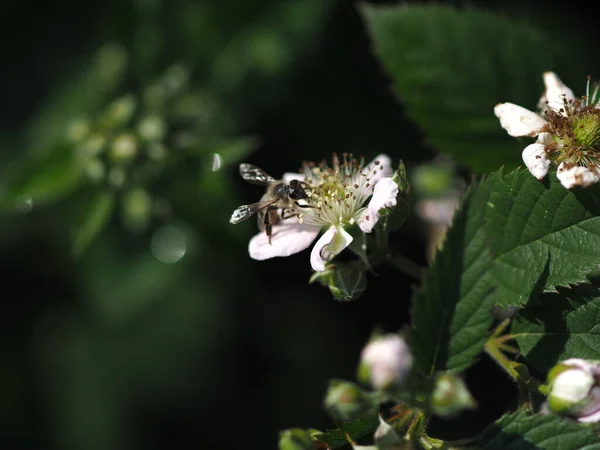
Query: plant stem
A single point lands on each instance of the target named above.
(406, 266)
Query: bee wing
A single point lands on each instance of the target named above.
(255, 175)
(245, 211)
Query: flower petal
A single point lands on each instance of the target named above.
(518, 121)
(536, 159)
(379, 168)
(576, 176)
(556, 93)
(384, 196)
(288, 237)
(330, 244)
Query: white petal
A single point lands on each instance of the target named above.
(330, 244)
(289, 176)
(536, 160)
(576, 176)
(556, 92)
(384, 196)
(518, 121)
(379, 168)
(288, 237)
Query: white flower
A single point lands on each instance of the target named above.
(520, 122)
(575, 390)
(338, 198)
(387, 361)
(567, 130)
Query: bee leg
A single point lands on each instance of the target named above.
(268, 226)
(293, 214)
(304, 206)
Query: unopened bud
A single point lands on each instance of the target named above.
(94, 169)
(151, 128)
(575, 389)
(78, 130)
(386, 437)
(120, 111)
(346, 401)
(116, 177)
(450, 396)
(123, 148)
(295, 439)
(385, 362)
(137, 209)
(91, 146)
(432, 180)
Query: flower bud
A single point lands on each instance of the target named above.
(575, 389)
(120, 111)
(137, 209)
(123, 148)
(385, 362)
(295, 439)
(151, 128)
(450, 396)
(345, 401)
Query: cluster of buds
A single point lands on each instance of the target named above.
(575, 390)
(567, 130)
(385, 362)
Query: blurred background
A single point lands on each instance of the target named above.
(132, 316)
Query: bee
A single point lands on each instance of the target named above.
(279, 195)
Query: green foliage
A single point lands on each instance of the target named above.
(450, 67)
(536, 432)
(451, 312)
(355, 429)
(542, 235)
(559, 326)
(98, 207)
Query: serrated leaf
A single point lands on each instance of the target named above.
(559, 326)
(542, 235)
(450, 67)
(451, 312)
(355, 430)
(44, 179)
(92, 219)
(519, 431)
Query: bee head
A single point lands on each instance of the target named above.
(296, 191)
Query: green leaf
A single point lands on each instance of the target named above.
(542, 235)
(450, 67)
(559, 326)
(532, 432)
(356, 429)
(451, 312)
(46, 178)
(93, 217)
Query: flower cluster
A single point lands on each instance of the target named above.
(567, 130)
(342, 195)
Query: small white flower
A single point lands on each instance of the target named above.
(571, 176)
(575, 390)
(567, 130)
(340, 196)
(387, 360)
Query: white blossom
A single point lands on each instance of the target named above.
(387, 359)
(340, 196)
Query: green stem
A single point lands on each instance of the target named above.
(406, 266)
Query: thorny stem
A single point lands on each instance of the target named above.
(494, 347)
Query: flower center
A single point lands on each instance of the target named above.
(336, 193)
(576, 132)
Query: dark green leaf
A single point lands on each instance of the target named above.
(519, 431)
(46, 178)
(450, 67)
(542, 235)
(356, 429)
(93, 217)
(560, 326)
(451, 312)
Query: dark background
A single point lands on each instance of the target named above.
(117, 350)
